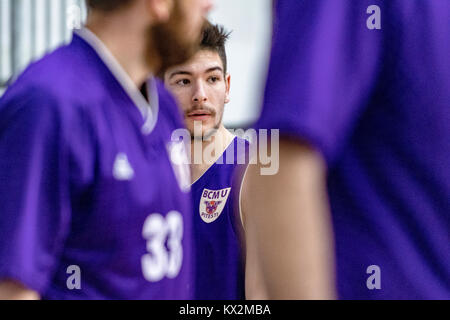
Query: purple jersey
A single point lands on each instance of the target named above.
(86, 182)
(219, 264)
(376, 103)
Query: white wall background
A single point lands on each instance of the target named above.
(248, 53)
(29, 28)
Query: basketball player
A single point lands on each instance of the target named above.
(202, 87)
(360, 93)
(88, 194)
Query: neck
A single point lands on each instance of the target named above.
(126, 44)
(218, 143)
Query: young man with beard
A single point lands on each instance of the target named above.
(83, 156)
(202, 87)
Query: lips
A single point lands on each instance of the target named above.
(199, 115)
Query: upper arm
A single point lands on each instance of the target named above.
(254, 280)
(288, 233)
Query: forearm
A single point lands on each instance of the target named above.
(288, 228)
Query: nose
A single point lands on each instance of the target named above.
(199, 93)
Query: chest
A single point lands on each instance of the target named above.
(213, 195)
(122, 174)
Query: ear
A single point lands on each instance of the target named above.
(159, 10)
(227, 88)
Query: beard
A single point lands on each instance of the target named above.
(212, 131)
(207, 135)
(168, 44)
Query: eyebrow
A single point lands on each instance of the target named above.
(177, 73)
(214, 69)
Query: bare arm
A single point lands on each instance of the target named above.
(10, 290)
(288, 230)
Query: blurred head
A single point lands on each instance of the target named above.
(172, 27)
(202, 85)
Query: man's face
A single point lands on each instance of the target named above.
(176, 40)
(202, 90)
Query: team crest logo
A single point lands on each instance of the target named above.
(212, 204)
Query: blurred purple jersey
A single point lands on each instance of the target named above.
(376, 103)
(86, 181)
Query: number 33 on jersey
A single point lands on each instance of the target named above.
(163, 261)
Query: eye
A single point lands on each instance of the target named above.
(213, 79)
(183, 82)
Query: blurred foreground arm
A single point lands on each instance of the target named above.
(10, 290)
(288, 229)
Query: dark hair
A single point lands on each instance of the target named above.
(108, 5)
(214, 38)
